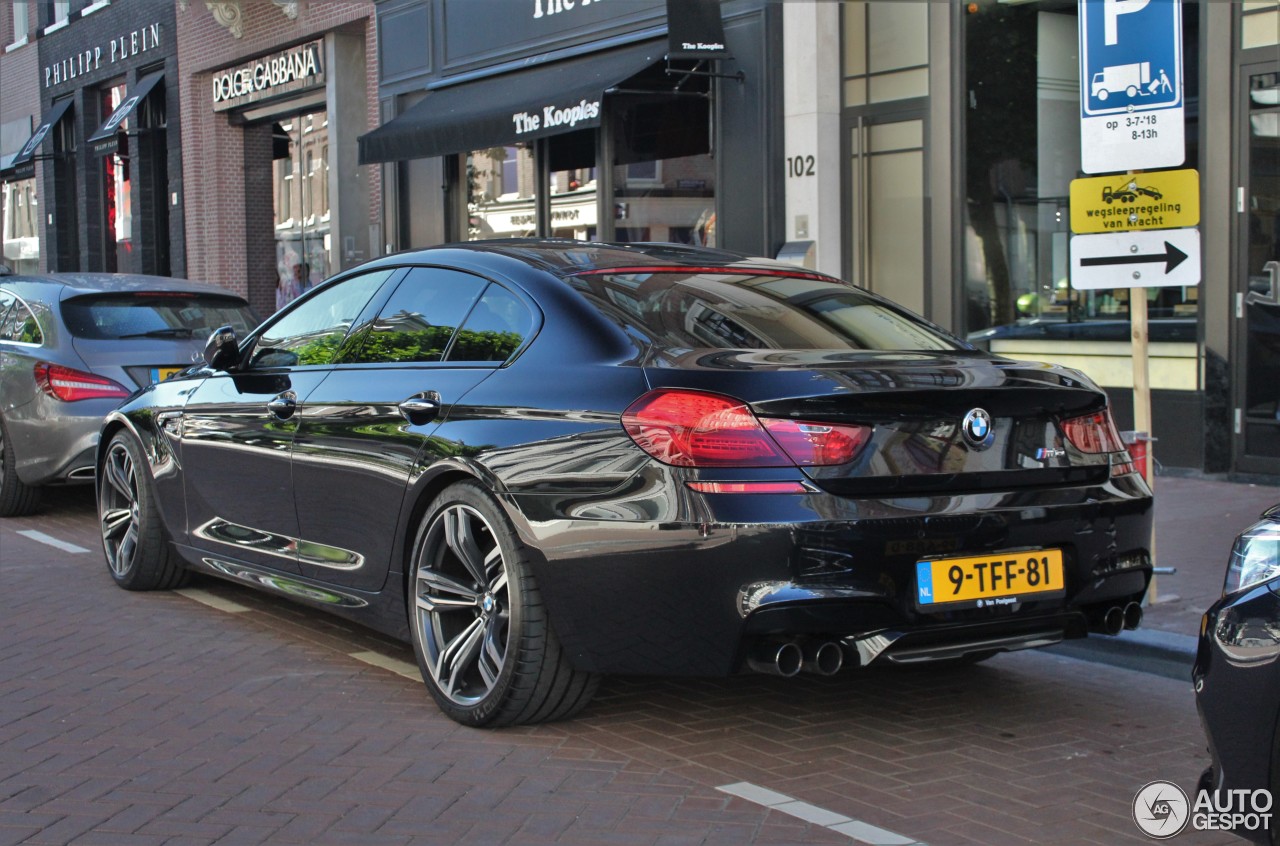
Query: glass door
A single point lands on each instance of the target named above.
(886, 184)
(301, 196)
(1258, 399)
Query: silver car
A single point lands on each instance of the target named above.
(73, 346)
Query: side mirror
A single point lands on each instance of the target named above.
(222, 350)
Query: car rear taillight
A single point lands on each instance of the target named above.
(1096, 433)
(1093, 433)
(68, 385)
(696, 429)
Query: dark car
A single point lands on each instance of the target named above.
(1237, 679)
(541, 461)
(73, 346)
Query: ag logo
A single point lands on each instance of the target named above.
(977, 429)
(1161, 810)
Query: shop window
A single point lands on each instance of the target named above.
(1022, 149)
(501, 193)
(664, 176)
(886, 51)
(1259, 25)
(301, 194)
(117, 188)
(21, 226)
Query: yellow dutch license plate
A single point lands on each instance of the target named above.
(999, 578)
(159, 374)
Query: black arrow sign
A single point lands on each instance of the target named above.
(1172, 257)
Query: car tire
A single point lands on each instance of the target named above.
(16, 497)
(484, 645)
(138, 553)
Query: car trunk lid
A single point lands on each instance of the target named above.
(916, 405)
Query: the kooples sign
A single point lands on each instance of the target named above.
(552, 117)
(291, 70)
(92, 58)
(555, 7)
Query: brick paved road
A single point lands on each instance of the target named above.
(152, 718)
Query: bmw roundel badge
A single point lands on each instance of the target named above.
(977, 429)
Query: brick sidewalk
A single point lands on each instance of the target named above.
(145, 719)
(1196, 522)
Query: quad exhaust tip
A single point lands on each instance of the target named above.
(787, 658)
(825, 658)
(777, 658)
(1113, 621)
(1117, 619)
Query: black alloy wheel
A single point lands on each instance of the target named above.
(16, 498)
(138, 554)
(485, 648)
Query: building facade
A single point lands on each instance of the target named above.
(511, 118)
(20, 114)
(275, 93)
(102, 152)
(929, 153)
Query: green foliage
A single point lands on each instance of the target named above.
(428, 344)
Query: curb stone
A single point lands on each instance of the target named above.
(1166, 654)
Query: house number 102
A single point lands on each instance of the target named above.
(800, 165)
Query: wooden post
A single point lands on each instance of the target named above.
(1140, 334)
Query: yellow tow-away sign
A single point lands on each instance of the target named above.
(1165, 199)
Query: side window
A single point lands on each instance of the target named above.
(495, 329)
(421, 316)
(26, 329)
(6, 303)
(18, 323)
(313, 332)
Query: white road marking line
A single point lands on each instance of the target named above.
(212, 600)
(395, 665)
(855, 829)
(50, 540)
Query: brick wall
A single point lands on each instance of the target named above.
(227, 168)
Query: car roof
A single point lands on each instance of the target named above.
(78, 284)
(565, 257)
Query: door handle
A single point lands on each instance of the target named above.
(1271, 296)
(421, 409)
(284, 405)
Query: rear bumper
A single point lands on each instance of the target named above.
(682, 596)
(55, 442)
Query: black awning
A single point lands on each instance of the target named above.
(105, 140)
(21, 166)
(521, 105)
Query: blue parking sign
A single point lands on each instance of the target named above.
(1130, 55)
(1131, 98)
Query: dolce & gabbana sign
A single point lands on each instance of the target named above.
(296, 69)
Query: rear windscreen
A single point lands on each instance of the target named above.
(675, 310)
(122, 316)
